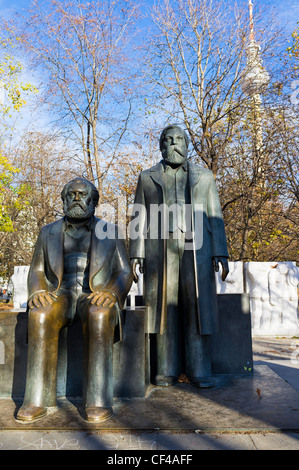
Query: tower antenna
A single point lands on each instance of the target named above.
(251, 20)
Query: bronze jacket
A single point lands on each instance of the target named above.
(210, 229)
(110, 267)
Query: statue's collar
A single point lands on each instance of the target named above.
(166, 166)
(88, 224)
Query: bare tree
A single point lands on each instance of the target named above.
(199, 67)
(80, 50)
(197, 63)
(43, 168)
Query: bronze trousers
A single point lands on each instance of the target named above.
(181, 349)
(44, 325)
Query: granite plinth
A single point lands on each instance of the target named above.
(231, 350)
(130, 361)
(232, 344)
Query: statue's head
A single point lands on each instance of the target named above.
(80, 198)
(174, 144)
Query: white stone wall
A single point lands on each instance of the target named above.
(234, 282)
(272, 287)
(273, 291)
(19, 280)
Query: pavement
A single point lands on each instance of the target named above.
(254, 412)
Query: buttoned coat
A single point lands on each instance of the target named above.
(208, 225)
(109, 269)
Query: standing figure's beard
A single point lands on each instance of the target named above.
(174, 156)
(79, 211)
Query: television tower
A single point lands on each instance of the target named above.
(255, 82)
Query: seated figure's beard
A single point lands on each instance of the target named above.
(79, 211)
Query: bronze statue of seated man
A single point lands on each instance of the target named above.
(75, 272)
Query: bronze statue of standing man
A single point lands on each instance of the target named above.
(179, 247)
(74, 272)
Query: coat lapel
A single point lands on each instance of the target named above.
(194, 172)
(157, 172)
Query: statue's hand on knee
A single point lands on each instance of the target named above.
(103, 298)
(42, 299)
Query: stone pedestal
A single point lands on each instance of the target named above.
(130, 356)
(232, 345)
(231, 350)
(13, 338)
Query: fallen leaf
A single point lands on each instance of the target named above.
(183, 379)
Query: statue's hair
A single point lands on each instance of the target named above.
(95, 192)
(172, 126)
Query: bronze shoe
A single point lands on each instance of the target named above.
(97, 414)
(30, 413)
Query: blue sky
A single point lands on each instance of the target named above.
(287, 14)
(287, 10)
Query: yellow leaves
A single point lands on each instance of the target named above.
(13, 90)
(293, 50)
(11, 198)
(4, 164)
(275, 234)
(257, 244)
(6, 224)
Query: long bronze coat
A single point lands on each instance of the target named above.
(204, 196)
(109, 268)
